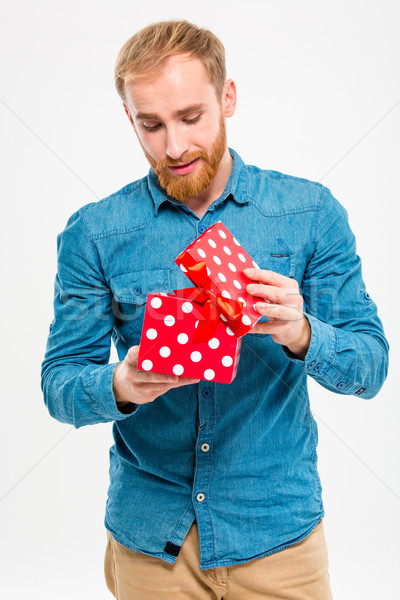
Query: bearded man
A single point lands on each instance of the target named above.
(214, 489)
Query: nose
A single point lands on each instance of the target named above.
(176, 143)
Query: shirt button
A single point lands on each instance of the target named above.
(200, 497)
(317, 366)
(311, 365)
(205, 447)
(138, 290)
(341, 385)
(201, 229)
(206, 392)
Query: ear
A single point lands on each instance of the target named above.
(229, 98)
(129, 115)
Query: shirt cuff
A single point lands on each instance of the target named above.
(102, 394)
(322, 348)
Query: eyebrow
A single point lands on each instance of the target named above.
(178, 113)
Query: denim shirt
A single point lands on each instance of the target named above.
(240, 458)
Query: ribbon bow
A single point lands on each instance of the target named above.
(213, 303)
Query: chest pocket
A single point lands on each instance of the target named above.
(129, 299)
(278, 261)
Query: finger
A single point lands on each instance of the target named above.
(150, 377)
(131, 357)
(269, 327)
(185, 381)
(268, 277)
(282, 312)
(152, 388)
(272, 293)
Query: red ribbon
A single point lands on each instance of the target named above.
(213, 303)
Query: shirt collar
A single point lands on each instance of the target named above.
(236, 185)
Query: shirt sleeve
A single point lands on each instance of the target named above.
(348, 352)
(76, 377)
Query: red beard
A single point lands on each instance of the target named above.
(184, 187)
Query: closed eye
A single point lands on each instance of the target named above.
(194, 120)
(151, 128)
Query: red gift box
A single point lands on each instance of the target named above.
(197, 332)
(214, 262)
(168, 344)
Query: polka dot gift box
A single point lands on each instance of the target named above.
(214, 262)
(168, 342)
(196, 332)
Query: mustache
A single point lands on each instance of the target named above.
(186, 158)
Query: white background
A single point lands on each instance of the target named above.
(318, 84)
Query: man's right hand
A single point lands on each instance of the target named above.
(140, 387)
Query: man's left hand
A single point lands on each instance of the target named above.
(286, 321)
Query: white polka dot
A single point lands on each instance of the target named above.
(223, 317)
(255, 264)
(209, 374)
(147, 365)
(195, 356)
(183, 268)
(165, 351)
(156, 302)
(222, 233)
(214, 343)
(151, 334)
(236, 242)
(212, 243)
(246, 320)
(227, 361)
(237, 284)
(177, 369)
(242, 258)
(242, 300)
(201, 252)
(217, 260)
(196, 323)
(227, 250)
(182, 338)
(187, 307)
(232, 267)
(229, 331)
(221, 277)
(169, 320)
(226, 294)
(208, 271)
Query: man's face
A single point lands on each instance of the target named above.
(180, 125)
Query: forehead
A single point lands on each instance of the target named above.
(182, 82)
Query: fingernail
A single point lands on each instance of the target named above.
(248, 271)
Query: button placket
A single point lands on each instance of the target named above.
(203, 469)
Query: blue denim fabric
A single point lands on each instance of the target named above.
(259, 477)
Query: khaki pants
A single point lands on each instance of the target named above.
(299, 572)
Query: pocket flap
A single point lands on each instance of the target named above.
(133, 288)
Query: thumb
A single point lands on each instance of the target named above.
(132, 355)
